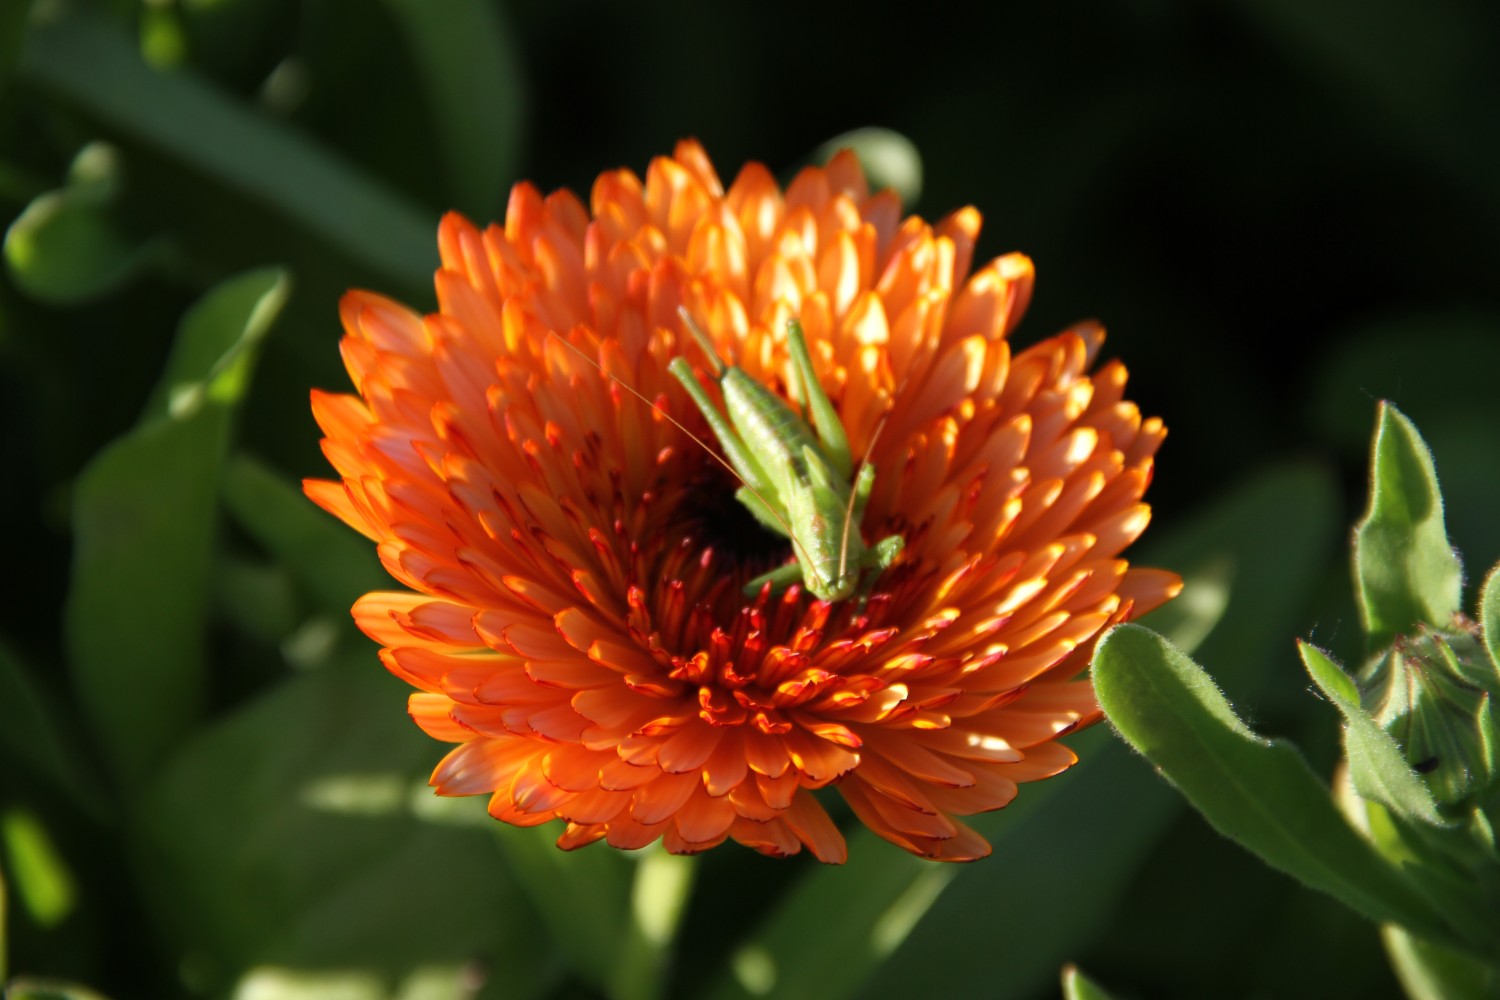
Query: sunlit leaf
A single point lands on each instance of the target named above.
(1489, 615)
(89, 63)
(42, 881)
(213, 352)
(38, 988)
(1077, 986)
(658, 899)
(298, 834)
(144, 522)
(1440, 864)
(163, 43)
(1259, 793)
(1405, 570)
(1376, 764)
(1432, 972)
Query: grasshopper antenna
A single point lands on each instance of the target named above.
(702, 339)
(673, 420)
(885, 418)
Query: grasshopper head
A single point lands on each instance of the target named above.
(840, 586)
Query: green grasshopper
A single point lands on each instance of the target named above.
(797, 478)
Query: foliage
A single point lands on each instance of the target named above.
(207, 786)
(1406, 838)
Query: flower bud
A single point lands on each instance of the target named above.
(1430, 692)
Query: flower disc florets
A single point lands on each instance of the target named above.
(573, 620)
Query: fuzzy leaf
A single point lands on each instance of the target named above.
(1489, 615)
(1405, 570)
(1257, 792)
(1376, 764)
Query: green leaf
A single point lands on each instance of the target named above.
(32, 733)
(906, 927)
(1259, 793)
(1377, 766)
(87, 62)
(38, 988)
(1432, 972)
(65, 248)
(591, 938)
(144, 519)
(658, 898)
(144, 527)
(298, 833)
(1405, 571)
(42, 881)
(257, 598)
(476, 94)
(1448, 866)
(335, 564)
(1489, 615)
(214, 350)
(1077, 986)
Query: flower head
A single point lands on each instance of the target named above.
(574, 621)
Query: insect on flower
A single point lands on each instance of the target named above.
(797, 483)
(567, 606)
(795, 469)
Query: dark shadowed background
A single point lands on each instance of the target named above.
(1282, 211)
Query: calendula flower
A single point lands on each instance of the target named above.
(573, 620)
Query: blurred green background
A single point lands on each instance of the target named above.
(1282, 210)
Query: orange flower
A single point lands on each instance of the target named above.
(574, 621)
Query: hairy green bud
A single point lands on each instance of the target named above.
(1431, 691)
